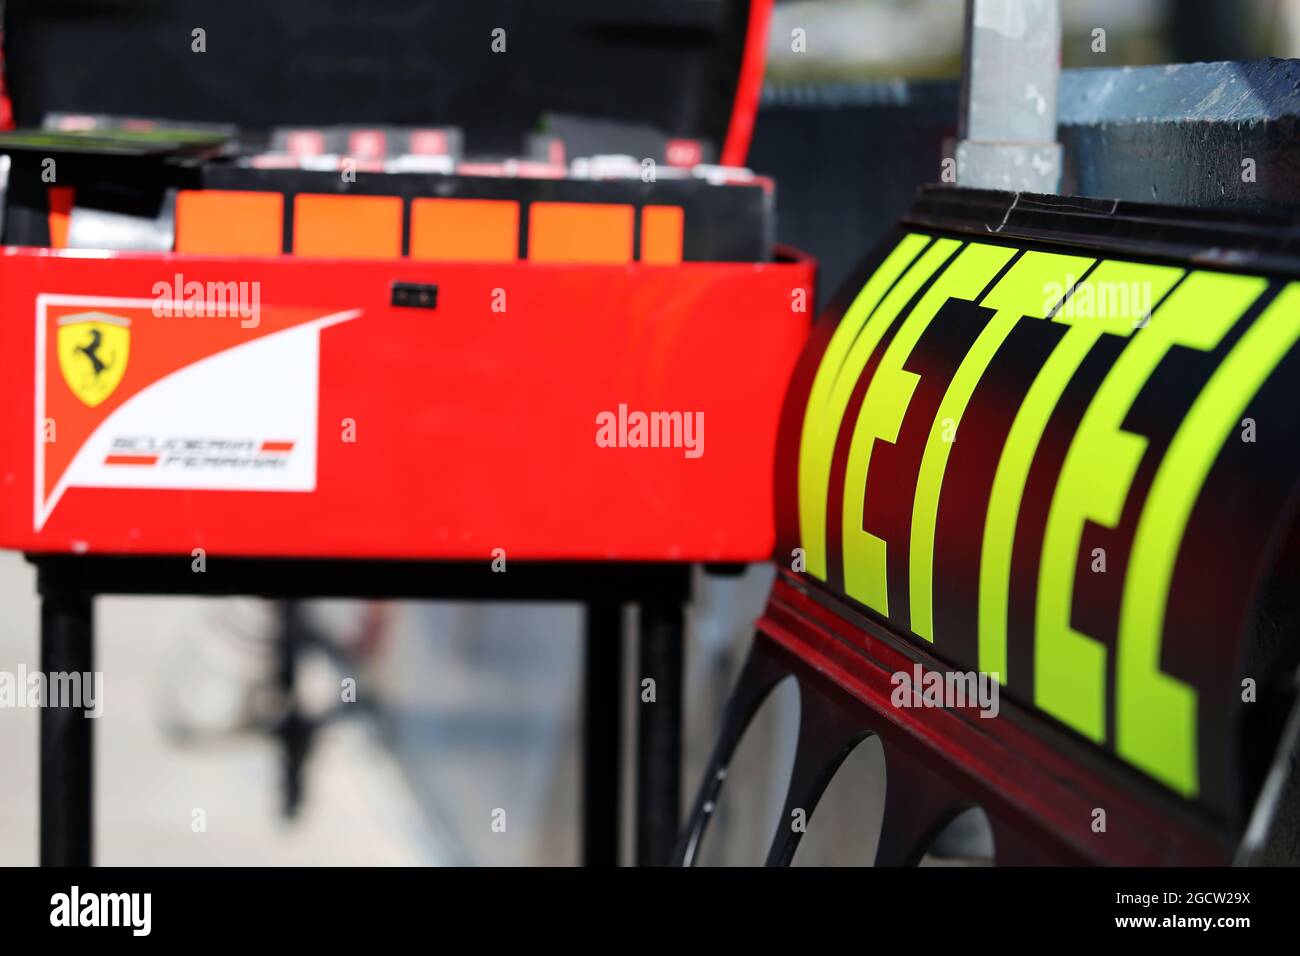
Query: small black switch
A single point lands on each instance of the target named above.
(415, 295)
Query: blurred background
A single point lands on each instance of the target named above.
(920, 39)
(464, 710)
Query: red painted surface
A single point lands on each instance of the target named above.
(475, 428)
(749, 87)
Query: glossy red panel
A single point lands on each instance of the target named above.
(440, 432)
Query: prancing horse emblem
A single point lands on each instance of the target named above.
(93, 350)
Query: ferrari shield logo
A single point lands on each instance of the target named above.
(93, 350)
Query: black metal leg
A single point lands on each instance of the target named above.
(659, 732)
(294, 728)
(918, 803)
(67, 752)
(827, 734)
(602, 723)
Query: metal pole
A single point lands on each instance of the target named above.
(67, 754)
(1011, 68)
(294, 728)
(659, 732)
(602, 725)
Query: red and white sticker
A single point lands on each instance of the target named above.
(141, 393)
